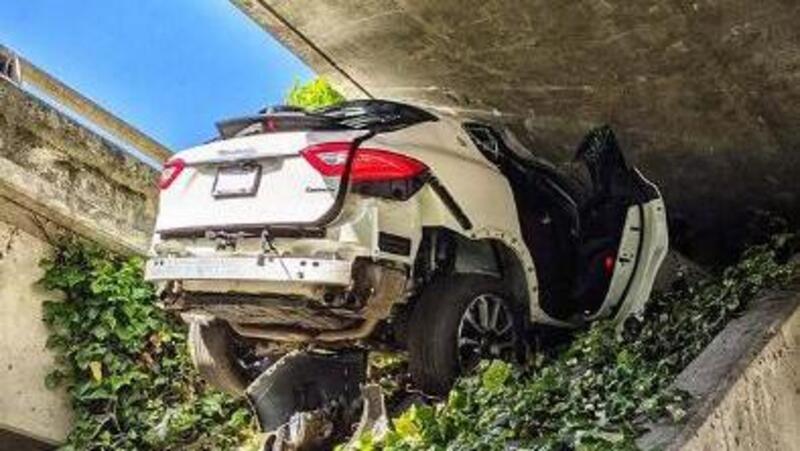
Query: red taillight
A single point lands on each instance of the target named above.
(369, 165)
(172, 169)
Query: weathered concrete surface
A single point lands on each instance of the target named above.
(56, 177)
(703, 93)
(25, 404)
(746, 384)
(52, 166)
(761, 410)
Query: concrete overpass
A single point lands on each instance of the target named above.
(705, 94)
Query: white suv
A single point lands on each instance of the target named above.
(374, 223)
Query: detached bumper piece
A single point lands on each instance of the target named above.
(306, 399)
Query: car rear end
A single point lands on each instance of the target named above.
(261, 231)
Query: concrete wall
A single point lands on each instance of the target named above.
(25, 404)
(51, 165)
(760, 410)
(745, 384)
(55, 177)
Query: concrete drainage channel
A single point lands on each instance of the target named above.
(746, 384)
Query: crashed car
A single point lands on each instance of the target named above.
(375, 224)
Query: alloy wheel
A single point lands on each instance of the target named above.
(486, 331)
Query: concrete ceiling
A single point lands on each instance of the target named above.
(704, 94)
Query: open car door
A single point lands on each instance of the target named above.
(624, 232)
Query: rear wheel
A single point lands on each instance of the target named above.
(458, 321)
(212, 353)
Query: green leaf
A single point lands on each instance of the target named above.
(315, 94)
(495, 375)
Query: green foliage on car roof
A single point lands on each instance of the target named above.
(314, 94)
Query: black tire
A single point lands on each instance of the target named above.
(212, 354)
(435, 357)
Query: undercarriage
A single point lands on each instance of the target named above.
(340, 316)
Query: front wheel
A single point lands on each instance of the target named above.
(458, 321)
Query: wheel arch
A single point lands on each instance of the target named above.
(444, 251)
(513, 274)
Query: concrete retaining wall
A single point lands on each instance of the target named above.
(746, 384)
(55, 177)
(758, 406)
(26, 405)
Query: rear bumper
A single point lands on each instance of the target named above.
(261, 268)
(297, 300)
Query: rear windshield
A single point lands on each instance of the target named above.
(353, 115)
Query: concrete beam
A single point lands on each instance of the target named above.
(28, 73)
(53, 168)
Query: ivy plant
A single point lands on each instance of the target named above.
(316, 93)
(124, 362)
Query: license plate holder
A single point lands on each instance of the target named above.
(237, 181)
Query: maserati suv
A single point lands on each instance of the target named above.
(374, 224)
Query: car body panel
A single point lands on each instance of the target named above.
(289, 190)
(653, 250)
